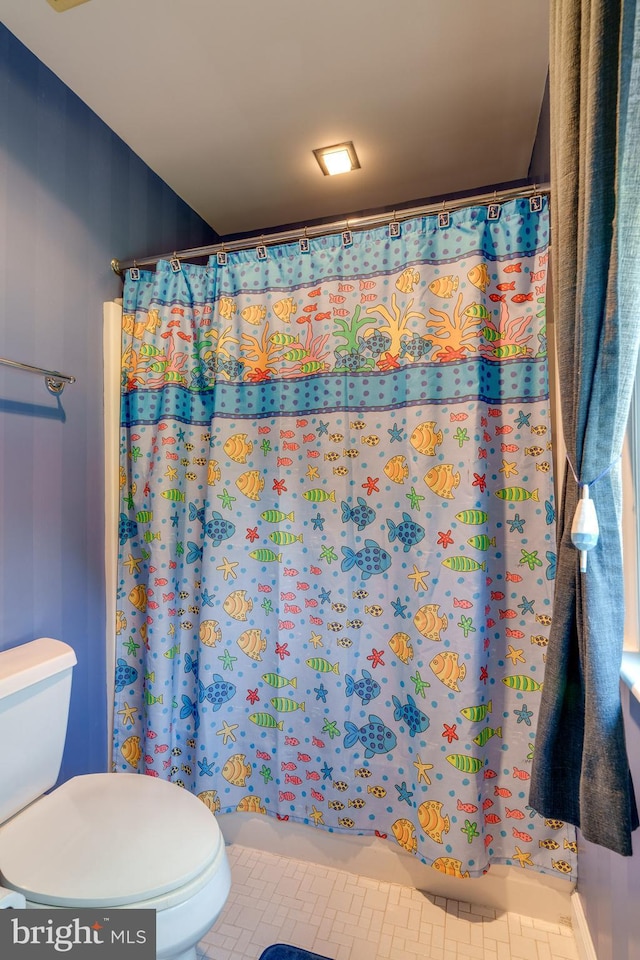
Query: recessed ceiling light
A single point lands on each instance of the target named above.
(339, 158)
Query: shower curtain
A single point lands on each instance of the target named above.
(337, 533)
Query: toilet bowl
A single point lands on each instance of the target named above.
(112, 840)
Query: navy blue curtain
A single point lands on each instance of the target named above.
(580, 773)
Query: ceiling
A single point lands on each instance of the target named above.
(225, 101)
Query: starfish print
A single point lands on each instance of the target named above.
(325, 596)
(267, 605)
(526, 606)
(328, 554)
(180, 435)
(515, 655)
(399, 607)
(524, 859)
(313, 473)
(318, 522)
(461, 435)
(321, 692)
(228, 569)
(418, 578)
(317, 817)
(207, 598)
(403, 792)
(524, 715)
(133, 563)
(282, 651)
(226, 499)
(326, 771)
(131, 646)
(420, 684)
(171, 473)
(174, 519)
(265, 446)
(484, 675)
(316, 640)
(517, 523)
(227, 732)
(371, 486)
(471, 830)
(252, 534)
(129, 501)
(466, 625)
(322, 427)
(480, 480)
(523, 419)
(450, 732)
(128, 714)
(227, 660)
(509, 469)
(444, 539)
(395, 433)
(331, 728)
(252, 696)
(266, 774)
(414, 499)
(422, 770)
(279, 486)
(206, 769)
(530, 558)
(376, 658)
(135, 454)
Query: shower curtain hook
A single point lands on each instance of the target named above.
(134, 272)
(347, 236)
(261, 250)
(443, 217)
(303, 242)
(175, 263)
(394, 227)
(221, 256)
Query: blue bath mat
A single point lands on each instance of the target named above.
(283, 951)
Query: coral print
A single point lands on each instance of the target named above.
(337, 533)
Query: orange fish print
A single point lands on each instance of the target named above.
(513, 268)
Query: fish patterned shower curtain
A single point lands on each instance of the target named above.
(337, 534)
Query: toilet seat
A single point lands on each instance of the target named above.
(111, 840)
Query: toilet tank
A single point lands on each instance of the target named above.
(35, 688)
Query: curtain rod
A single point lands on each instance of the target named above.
(54, 380)
(335, 226)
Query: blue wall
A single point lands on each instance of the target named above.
(72, 196)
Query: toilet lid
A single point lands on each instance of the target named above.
(108, 839)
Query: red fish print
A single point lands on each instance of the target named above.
(161, 748)
(521, 835)
(503, 792)
(163, 426)
(167, 440)
(281, 816)
(264, 430)
(264, 588)
(488, 839)
(454, 417)
(317, 796)
(509, 447)
(152, 773)
(287, 795)
(286, 434)
(184, 336)
(506, 429)
(521, 774)
(336, 298)
(463, 604)
(345, 288)
(292, 608)
(537, 277)
(497, 298)
(285, 625)
(507, 614)
(522, 297)
(540, 290)
(172, 456)
(287, 596)
(367, 284)
(296, 781)
(322, 316)
(486, 437)
(160, 582)
(313, 453)
(341, 312)
(513, 577)
(312, 775)
(494, 412)
(486, 803)
(466, 807)
(310, 308)
(315, 293)
(497, 595)
(514, 814)
(284, 461)
(301, 423)
(167, 597)
(491, 623)
(291, 741)
(291, 572)
(262, 755)
(506, 286)
(316, 620)
(178, 310)
(514, 634)
(367, 297)
(287, 445)
(489, 774)
(304, 757)
(492, 818)
(513, 268)
(310, 602)
(317, 743)
(484, 675)
(308, 437)
(301, 585)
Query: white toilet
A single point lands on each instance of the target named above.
(99, 840)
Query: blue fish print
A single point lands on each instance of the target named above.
(217, 692)
(191, 664)
(367, 688)
(196, 513)
(407, 532)
(415, 346)
(195, 552)
(190, 708)
(371, 559)
(125, 675)
(376, 342)
(416, 720)
(374, 736)
(361, 515)
(219, 529)
(127, 529)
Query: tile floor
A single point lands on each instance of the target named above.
(339, 915)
